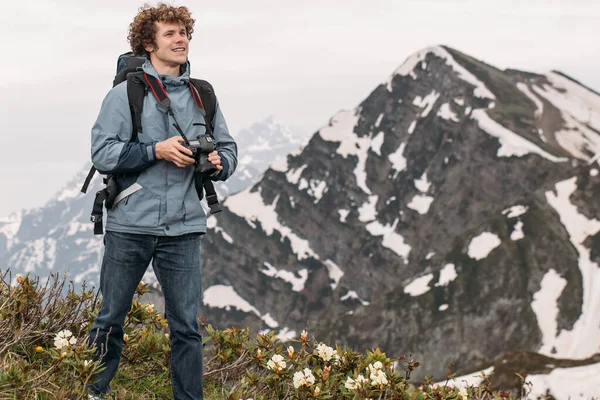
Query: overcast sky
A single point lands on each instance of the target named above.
(301, 61)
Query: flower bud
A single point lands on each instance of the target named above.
(317, 391)
(326, 372)
(304, 335)
(259, 354)
(20, 279)
(63, 355)
(290, 351)
(39, 349)
(167, 336)
(126, 338)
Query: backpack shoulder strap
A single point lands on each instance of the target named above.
(207, 95)
(136, 91)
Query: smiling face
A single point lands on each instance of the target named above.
(170, 47)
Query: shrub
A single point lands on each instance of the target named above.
(44, 331)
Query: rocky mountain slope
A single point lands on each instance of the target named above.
(451, 215)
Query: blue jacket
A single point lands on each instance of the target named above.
(163, 198)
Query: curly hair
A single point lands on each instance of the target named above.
(142, 30)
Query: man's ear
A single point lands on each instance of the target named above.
(148, 47)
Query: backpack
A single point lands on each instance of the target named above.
(129, 68)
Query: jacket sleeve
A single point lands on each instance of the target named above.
(112, 153)
(226, 146)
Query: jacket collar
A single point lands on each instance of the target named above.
(183, 79)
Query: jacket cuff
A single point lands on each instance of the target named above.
(151, 151)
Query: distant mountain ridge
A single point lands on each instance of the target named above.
(58, 237)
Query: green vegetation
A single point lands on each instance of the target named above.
(43, 355)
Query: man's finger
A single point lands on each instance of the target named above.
(183, 149)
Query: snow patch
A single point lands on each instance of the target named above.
(430, 256)
(250, 206)
(517, 234)
(376, 143)
(593, 172)
(353, 295)
(443, 307)
(515, 211)
(447, 275)
(297, 282)
(335, 273)
(391, 239)
(567, 383)
(539, 106)
(466, 381)
(427, 102)
(281, 165)
(511, 144)
(343, 214)
(482, 245)
(545, 307)
(419, 286)
(397, 159)
(10, 225)
(221, 296)
(368, 211)
(412, 127)
(584, 338)
(316, 189)
(420, 204)
(293, 176)
(422, 184)
(446, 113)
(378, 120)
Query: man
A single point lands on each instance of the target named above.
(160, 218)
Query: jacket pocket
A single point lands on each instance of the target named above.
(193, 213)
(139, 209)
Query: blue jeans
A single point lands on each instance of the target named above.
(176, 263)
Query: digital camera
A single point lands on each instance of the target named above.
(201, 147)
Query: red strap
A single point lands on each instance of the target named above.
(193, 90)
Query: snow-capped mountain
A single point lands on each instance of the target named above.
(58, 237)
(451, 216)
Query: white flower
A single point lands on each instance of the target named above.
(463, 393)
(378, 378)
(359, 382)
(325, 352)
(303, 378)
(64, 339)
(276, 363)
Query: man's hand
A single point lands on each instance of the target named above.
(172, 150)
(215, 159)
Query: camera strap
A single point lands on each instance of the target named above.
(161, 96)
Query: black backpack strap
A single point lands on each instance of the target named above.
(88, 179)
(97, 213)
(207, 101)
(136, 91)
